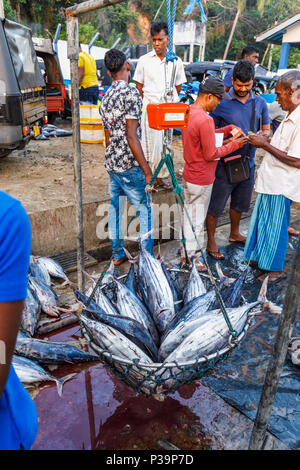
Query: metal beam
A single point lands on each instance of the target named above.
(90, 5)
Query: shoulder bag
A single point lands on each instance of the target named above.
(237, 167)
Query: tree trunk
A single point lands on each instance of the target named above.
(231, 33)
(265, 54)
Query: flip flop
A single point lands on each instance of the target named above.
(242, 242)
(166, 186)
(213, 253)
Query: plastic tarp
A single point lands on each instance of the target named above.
(239, 378)
(23, 55)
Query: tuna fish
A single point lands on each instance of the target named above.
(29, 372)
(53, 267)
(195, 286)
(101, 299)
(48, 352)
(233, 294)
(213, 333)
(111, 340)
(129, 305)
(156, 291)
(31, 312)
(45, 295)
(176, 292)
(40, 272)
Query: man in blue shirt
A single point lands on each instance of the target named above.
(248, 53)
(243, 108)
(18, 416)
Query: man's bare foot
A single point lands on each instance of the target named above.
(293, 232)
(236, 238)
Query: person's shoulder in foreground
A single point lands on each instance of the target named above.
(18, 417)
(15, 245)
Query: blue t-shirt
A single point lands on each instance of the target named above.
(228, 78)
(18, 416)
(236, 112)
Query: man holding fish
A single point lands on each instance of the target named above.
(18, 416)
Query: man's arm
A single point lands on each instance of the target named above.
(261, 142)
(136, 148)
(10, 318)
(80, 74)
(107, 137)
(140, 87)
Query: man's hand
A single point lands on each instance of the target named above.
(241, 141)
(148, 177)
(236, 132)
(258, 141)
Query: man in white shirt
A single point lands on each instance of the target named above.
(151, 73)
(277, 184)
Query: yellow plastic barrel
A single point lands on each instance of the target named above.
(91, 128)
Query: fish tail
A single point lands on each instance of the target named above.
(131, 259)
(220, 272)
(60, 383)
(262, 296)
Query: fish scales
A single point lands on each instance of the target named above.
(211, 335)
(48, 352)
(159, 296)
(113, 341)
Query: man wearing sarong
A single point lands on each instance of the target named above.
(151, 82)
(277, 184)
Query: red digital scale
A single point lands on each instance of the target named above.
(168, 115)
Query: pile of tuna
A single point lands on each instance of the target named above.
(31, 354)
(152, 323)
(138, 327)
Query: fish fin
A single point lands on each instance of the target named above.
(60, 382)
(131, 259)
(262, 295)
(220, 272)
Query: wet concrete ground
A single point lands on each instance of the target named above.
(98, 411)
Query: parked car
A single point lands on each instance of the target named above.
(22, 88)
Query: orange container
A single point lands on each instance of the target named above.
(168, 115)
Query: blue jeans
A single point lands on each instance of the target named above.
(130, 183)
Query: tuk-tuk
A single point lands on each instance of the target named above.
(22, 88)
(50, 67)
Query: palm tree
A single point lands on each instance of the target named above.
(241, 5)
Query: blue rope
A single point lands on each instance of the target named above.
(170, 55)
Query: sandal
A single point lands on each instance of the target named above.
(119, 261)
(166, 186)
(214, 253)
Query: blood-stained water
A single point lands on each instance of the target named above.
(98, 411)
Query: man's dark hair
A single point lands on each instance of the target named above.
(244, 71)
(248, 50)
(114, 60)
(158, 26)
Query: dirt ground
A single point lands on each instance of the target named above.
(41, 176)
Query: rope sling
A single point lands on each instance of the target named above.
(156, 378)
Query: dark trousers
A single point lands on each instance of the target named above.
(89, 95)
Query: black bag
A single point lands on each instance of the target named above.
(237, 167)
